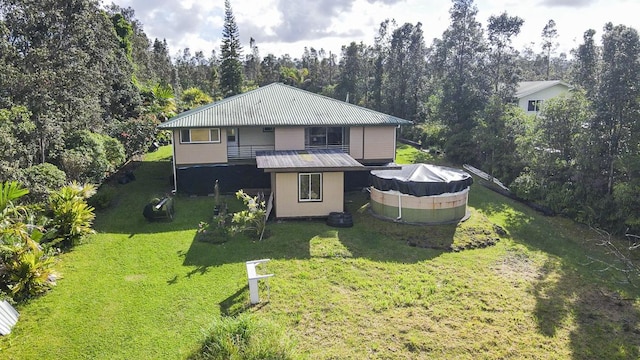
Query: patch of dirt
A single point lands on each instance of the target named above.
(135, 277)
(517, 265)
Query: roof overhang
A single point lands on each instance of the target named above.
(319, 160)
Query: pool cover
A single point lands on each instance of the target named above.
(421, 180)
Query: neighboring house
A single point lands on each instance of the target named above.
(301, 145)
(531, 95)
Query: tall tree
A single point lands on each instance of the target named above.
(352, 75)
(502, 56)
(460, 57)
(252, 62)
(617, 121)
(231, 66)
(549, 44)
(405, 70)
(585, 72)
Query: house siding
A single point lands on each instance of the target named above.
(356, 145)
(255, 136)
(379, 143)
(285, 186)
(203, 153)
(289, 138)
(543, 95)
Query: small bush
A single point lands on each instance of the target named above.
(245, 337)
(103, 198)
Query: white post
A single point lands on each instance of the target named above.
(253, 278)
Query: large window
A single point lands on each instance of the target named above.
(310, 187)
(534, 105)
(323, 137)
(200, 135)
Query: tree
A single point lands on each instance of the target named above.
(231, 67)
(194, 97)
(586, 65)
(405, 69)
(352, 74)
(460, 65)
(617, 121)
(549, 36)
(252, 62)
(502, 56)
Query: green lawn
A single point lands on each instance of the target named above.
(137, 290)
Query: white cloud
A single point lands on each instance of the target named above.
(287, 26)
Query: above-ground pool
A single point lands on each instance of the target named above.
(420, 193)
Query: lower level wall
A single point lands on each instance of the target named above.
(286, 196)
(200, 180)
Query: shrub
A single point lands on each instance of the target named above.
(245, 337)
(114, 152)
(41, 180)
(71, 216)
(254, 218)
(27, 270)
(103, 198)
(85, 158)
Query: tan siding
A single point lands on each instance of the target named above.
(185, 154)
(289, 138)
(286, 196)
(445, 201)
(356, 139)
(379, 142)
(255, 136)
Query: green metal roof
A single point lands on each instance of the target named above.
(279, 105)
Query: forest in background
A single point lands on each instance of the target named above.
(82, 89)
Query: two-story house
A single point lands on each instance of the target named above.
(303, 146)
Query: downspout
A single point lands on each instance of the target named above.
(399, 206)
(173, 160)
(395, 141)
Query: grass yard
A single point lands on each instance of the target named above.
(139, 290)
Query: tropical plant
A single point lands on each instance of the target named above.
(25, 268)
(71, 216)
(254, 218)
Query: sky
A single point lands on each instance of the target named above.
(288, 26)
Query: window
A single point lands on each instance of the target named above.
(268, 129)
(200, 135)
(310, 187)
(325, 136)
(232, 135)
(534, 105)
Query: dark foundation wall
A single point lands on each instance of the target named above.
(356, 180)
(200, 180)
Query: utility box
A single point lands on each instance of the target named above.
(253, 279)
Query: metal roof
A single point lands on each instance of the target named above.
(279, 105)
(306, 160)
(526, 88)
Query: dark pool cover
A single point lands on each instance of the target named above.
(421, 180)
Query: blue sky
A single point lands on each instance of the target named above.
(287, 26)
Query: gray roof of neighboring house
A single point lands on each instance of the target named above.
(526, 88)
(279, 105)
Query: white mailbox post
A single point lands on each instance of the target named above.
(253, 279)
